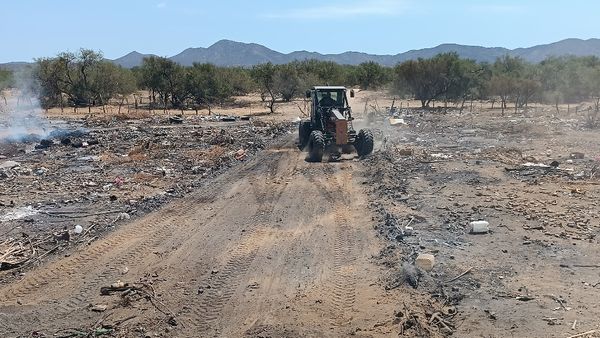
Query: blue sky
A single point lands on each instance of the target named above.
(31, 29)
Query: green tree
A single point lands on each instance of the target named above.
(286, 82)
(209, 85)
(6, 79)
(371, 75)
(76, 77)
(84, 78)
(467, 79)
(264, 75)
(108, 81)
(430, 79)
(166, 79)
(502, 86)
(514, 79)
(239, 79)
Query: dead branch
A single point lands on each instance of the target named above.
(457, 277)
(583, 334)
(30, 262)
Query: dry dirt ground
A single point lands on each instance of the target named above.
(275, 246)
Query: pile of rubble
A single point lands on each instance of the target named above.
(471, 215)
(75, 182)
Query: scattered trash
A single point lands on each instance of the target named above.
(176, 119)
(425, 261)
(9, 165)
(99, 308)
(440, 156)
(394, 121)
(479, 227)
(577, 156)
(18, 213)
(78, 229)
(228, 118)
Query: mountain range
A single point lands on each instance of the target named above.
(232, 53)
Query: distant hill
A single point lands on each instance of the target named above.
(232, 53)
(131, 60)
(575, 47)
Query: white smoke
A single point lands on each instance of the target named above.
(21, 116)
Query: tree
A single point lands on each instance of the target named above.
(514, 79)
(592, 80)
(429, 79)
(286, 82)
(208, 85)
(85, 78)
(6, 81)
(371, 75)
(108, 81)
(239, 79)
(502, 86)
(166, 78)
(77, 69)
(466, 79)
(264, 75)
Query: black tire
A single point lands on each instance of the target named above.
(303, 134)
(364, 142)
(316, 146)
(347, 149)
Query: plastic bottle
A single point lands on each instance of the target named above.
(479, 227)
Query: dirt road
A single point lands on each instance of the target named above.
(275, 247)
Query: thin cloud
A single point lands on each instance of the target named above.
(343, 10)
(161, 5)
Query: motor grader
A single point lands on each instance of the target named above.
(330, 128)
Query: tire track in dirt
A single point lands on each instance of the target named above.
(223, 284)
(343, 293)
(164, 229)
(267, 185)
(79, 264)
(132, 257)
(343, 282)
